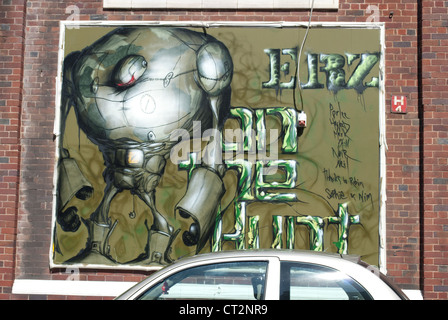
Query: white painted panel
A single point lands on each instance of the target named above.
(145, 4)
(225, 4)
(255, 4)
(220, 4)
(70, 288)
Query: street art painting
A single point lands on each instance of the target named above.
(180, 140)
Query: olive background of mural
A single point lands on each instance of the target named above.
(322, 181)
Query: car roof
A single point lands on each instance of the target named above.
(282, 254)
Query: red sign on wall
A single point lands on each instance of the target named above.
(399, 104)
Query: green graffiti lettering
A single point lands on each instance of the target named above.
(316, 229)
(244, 169)
(351, 57)
(245, 117)
(285, 68)
(334, 68)
(368, 61)
(277, 232)
(289, 127)
(238, 236)
(344, 221)
(274, 68)
(253, 235)
(313, 75)
(290, 232)
(262, 187)
(247, 229)
(246, 136)
(261, 129)
(334, 64)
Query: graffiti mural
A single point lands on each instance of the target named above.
(174, 141)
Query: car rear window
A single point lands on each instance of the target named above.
(305, 281)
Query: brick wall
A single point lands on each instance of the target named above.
(403, 140)
(29, 38)
(12, 20)
(435, 148)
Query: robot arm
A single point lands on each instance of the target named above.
(71, 181)
(214, 75)
(206, 188)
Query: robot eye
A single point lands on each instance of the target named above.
(128, 70)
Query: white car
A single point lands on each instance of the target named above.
(266, 275)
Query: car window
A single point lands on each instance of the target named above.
(224, 281)
(304, 281)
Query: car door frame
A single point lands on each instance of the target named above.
(366, 278)
(272, 274)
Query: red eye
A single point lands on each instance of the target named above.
(129, 70)
(127, 84)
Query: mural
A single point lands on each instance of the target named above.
(174, 141)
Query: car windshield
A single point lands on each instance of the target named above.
(224, 281)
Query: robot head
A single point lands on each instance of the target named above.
(142, 84)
